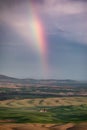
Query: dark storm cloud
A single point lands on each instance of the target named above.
(67, 15)
(65, 24)
(10, 3)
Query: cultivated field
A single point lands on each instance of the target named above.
(69, 126)
(63, 101)
(49, 110)
(42, 105)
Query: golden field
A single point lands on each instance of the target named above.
(65, 101)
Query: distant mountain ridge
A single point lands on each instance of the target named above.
(4, 78)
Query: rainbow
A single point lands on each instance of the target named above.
(38, 34)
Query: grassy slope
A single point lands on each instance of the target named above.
(61, 114)
(44, 102)
(59, 110)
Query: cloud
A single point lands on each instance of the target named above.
(64, 6)
(65, 22)
(67, 17)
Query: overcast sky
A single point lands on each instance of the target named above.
(65, 25)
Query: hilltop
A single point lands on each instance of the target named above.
(4, 78)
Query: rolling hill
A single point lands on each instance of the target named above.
(4, 78)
